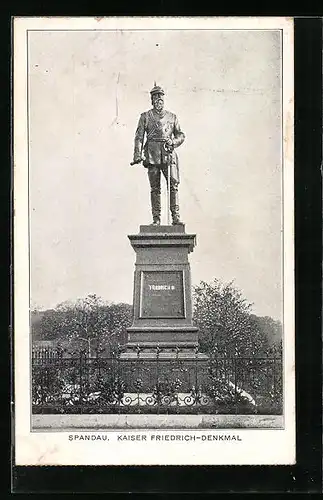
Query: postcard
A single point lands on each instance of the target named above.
(153, 241)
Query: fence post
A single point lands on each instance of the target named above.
(177, 365)
(138, 377)
(158, 384)
(196, 396)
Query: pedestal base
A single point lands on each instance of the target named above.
(166, 339)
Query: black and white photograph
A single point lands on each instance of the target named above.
(154, 272)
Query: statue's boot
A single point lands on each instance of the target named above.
(155, 207)
(174, 206)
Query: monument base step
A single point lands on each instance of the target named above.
(164, 356)
(162, 345)
(163, 336)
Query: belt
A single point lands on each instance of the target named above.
(156, 140)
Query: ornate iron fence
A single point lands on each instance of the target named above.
(220, 384)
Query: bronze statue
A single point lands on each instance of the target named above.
(163, 134)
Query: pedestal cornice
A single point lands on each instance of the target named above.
(163, 236)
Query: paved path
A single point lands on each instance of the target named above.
(110, 422)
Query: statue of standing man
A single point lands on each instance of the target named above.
(163, 135)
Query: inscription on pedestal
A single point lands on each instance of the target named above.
(162, 294)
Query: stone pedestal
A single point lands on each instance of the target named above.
(162, 301)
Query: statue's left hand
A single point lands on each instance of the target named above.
(168, 145)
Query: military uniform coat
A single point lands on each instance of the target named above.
(158, 128)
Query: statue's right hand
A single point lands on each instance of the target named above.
(135, 162)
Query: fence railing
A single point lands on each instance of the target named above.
(220, 384)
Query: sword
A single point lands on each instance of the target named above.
(169, 150)
(168, 193)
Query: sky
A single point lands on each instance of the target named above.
(86, 92)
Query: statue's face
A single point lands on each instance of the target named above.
(158, 102)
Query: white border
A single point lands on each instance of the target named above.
(257, 446)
